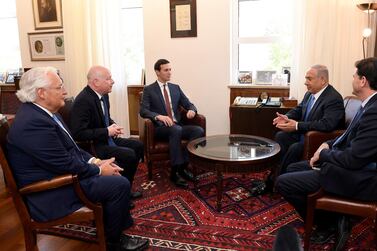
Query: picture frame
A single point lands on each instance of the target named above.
(183, 18)
(10, 78)
(245, 77)
(2, 77)
(47, 14)
(264, 77)
(46, 46)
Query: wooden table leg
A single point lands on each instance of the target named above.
(219, 189)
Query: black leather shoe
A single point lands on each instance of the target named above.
(187, 175)
(344, 230)
(322, 236)
(132, 205)
(132, 243)
(135, 195)
(178, 181)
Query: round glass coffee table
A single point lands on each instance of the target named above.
(235, 153)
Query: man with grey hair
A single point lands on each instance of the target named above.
(40, 147)
(321, 109)
(90, 120)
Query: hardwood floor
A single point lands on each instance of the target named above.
(11, 233)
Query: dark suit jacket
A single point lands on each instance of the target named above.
(153, 103)
(326, 115)
(87, 119)
(343, 169)
(39, 149)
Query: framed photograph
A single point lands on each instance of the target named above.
(245, 77)
(46, 46)
(264, 77)
(183, 18)
(2, 77)
(47, 14)
(10, 78)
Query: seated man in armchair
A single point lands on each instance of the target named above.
(160, 103)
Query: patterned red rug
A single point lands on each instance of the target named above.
(177, 219)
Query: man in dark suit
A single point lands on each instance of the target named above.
(160, 103)
(321, 109)
(345, 166)
(90, 120)
(40, 147)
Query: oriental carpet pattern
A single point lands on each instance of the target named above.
(179, 219)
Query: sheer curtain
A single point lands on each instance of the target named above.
(327, 32)
(92, 34)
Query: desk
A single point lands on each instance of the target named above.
(232, 154)
(251, 120)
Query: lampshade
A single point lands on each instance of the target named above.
(367, 5)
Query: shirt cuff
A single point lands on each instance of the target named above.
(296, 126)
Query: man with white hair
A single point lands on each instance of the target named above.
(40, 147)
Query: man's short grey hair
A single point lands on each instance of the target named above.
(322, 71)
(32, 80)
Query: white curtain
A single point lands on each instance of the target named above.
(92, 35)
(327, 32)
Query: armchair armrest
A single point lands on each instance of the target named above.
(44, 185)
(146, 131)
(314, 139)
(199, 120)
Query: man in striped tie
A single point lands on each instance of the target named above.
(344, 166)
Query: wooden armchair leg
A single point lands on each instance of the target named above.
(30, 240)
(149, 165)
(308, 225)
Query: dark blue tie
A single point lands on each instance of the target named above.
(309, 107)
(107, 121)
(344, 136)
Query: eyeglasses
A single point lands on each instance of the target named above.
(60, 87)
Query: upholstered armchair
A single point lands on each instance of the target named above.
(156, 150)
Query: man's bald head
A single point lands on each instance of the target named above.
(99, 79)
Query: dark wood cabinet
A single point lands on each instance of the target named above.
(253, 120)
(9, 102)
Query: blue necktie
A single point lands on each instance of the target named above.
(65, 130)
(110, 140)
(344, 136)
(309, 107)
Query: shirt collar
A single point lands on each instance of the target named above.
(367, 99)
(44, 109)
(316, 96)
(162, 84)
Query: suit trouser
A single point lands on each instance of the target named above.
(291, 149)
(174, 135)
(113, 192)
(127, 154)
(296, 186)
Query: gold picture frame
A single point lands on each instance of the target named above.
(183, 18)
(47, 14)
(46, 46)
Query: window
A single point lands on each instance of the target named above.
(132, 39)
(10, 54)
(262, 37)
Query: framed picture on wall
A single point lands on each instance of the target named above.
(182, 18)
(47, 14)
(46, 46)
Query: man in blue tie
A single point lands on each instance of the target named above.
(344, 166)
(90, 120)
(321, 109)
(40, 147)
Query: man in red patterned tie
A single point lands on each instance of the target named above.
(160, 103)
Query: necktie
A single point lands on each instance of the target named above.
(309, 107)
(110, 140)
(167, 103)
(344, 136)
(65, 130)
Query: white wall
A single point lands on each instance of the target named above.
(200, 65)
(25, 25)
